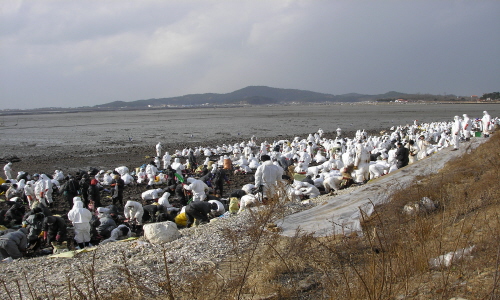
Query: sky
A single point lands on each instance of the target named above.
(60, 53)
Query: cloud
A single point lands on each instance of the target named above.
(73, 53)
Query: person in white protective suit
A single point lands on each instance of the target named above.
(157, 162)
(163, 201)
(80, 217)
(158, 149)
(248, 188)
(29, 192)
(486, 123)
(253, 163)
(308, 190)
(58, 175)
(151, 171)
(44, 187)
(413, 149)
(380, 168)
(151, 195)
(247, 201)
(466, 127)
(198, 188)
(361, 162)
(332, 182)
(220, 208)
(319, 157)
(267, 177)
(422, 144)
(127, 178)
(133, 211)
(122, 170)
(305, 158)
(142, 176)
(166, 160)
(7, 169)
(107, 179)
(455, 132)
(178, 166)
(339, 132)
(119, 233)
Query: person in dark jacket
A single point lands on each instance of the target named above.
(13, 244)
(150, 213)
(180, 194)
(15, 214)
(402, 155)
(84, 189)
(94, 194)
(199, 210)
(106, 223)
(192, 160)
(54, 229)
(69, 190)
(119, 185)
(34, 224)
(218, 180)
(170, 175)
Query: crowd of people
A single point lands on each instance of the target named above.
(188, 186)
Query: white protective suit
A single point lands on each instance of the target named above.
(422, 145)
(157, 162)
(466, 127)
(142, 176)
(248, 188)
(158, 149)
(486, 122)
(133, 210)
(268, 175)
(122, 170)
(80, 217)
(379, 169)
(29, 192)
(58, 175)
(44, 186)
(117, 234)
(456, 129)
(127, 178)
(247, 201)
(220, 208)
(7, 169)
(151, 194)
(177, 166)
(163, 201)
(166, 160)
(332, 182)
(309, 190)
(151, 171)
(198, 188)
(107, 179)
(361, 162)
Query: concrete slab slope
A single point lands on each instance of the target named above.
(341, 214)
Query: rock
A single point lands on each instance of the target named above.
(428, 204)
(162, 232)
(424, 205)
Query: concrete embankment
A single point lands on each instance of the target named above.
(342, 214)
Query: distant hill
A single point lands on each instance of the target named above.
(253, 95)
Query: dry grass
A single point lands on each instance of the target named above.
(390, 260)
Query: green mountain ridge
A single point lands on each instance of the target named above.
(252, 95)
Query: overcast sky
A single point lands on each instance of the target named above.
(75, 53)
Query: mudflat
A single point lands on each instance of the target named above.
(72, 141)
